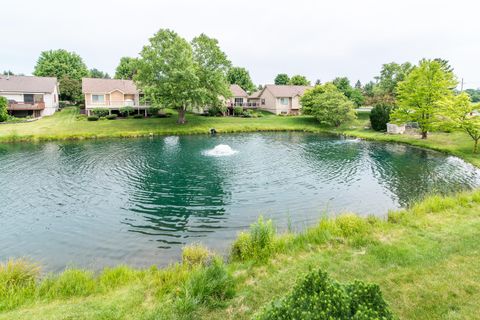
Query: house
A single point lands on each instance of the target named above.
(239, 96)
(280, 99)
(112, 94)
(30, 96)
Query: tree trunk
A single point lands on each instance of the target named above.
(475, 146)
(424, 134)
(181, 116)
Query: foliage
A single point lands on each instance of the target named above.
(153, 110)
(138, 116)
(419, 96)
(111, 116)
(329, 105)
(474, 94)
(93, 118)
(317, 296)
(100, 112)
(196, 255)
(380, 116)
(257, 244)
(299, 80)
(95, 73)
(238, 111)
(390, 75)
(216, 110)
(459, 113)
(126, 111)
(354, 94)
(70, 283)
(67, 67)
(3, 109)
(282, 79)
(240, 76)
(127, 68)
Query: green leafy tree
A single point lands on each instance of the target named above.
(380, 116)
(420, 94)
(71, 88)
(240, 76)
(458, 112)
(390, 75)
(127, 68)
(3, 109)
(212, 66)
(354, 94)
(95, 73)
(328, 104)
(474, 94)
(299, 80)
(64, 66)
(358, 85)
(282, 79)
(167, 73)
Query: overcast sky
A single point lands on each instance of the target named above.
(320, 39)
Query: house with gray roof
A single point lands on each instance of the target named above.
(30, 96)
(280, 99)
(112, 94)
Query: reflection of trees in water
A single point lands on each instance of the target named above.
(412, 173)
(178, 192)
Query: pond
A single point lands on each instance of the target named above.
(138, 201)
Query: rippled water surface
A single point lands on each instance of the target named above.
(97, 203)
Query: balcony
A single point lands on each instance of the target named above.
(114, 104)
(245, 104)
(20, 106)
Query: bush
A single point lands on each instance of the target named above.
(217, 110)
(209, 286)
(138, 116)
(380, 116)
(81, 117)
(153, 110)
(100, 112)
(3, 109)
(257, 244)
(111, 117)
(237, 111)
(93, 118)
(126, 111)
(195, 255)
(317, 296)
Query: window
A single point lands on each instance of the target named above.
(38, 98)
(263, 102)
(98, 98)
(28, 98)
(238, 101)
(284, 101)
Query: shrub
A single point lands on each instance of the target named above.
(100, 112)
(111, 117)
(209, 286)
(317, 296)
(126, 111)
(92, 118)
(138, 116)
(217, 110)
(380, 116)
(81, 117)
(195, 255)
(3, 109)
(237, 111)
(257, 244)
(153, 110)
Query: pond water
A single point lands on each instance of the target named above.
(137, 202)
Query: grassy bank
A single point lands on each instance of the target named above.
(425, 259)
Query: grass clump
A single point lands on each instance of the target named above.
(196, 255)
(18, 279)
(318, 297)
(111, 278)
(257, 243)
(70, 283)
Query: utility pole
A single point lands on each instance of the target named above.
(461, 86)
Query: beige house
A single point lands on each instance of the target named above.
(280, 99)
(30, 96)
(239, 96)
(112, 94)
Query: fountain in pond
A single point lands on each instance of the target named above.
(221, 150)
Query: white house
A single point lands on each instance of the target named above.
(30, 96)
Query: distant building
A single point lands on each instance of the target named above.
(30, 96)
(112, 94)
(281, 99)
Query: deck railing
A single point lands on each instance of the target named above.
(117, 104)
(18, 106)
(246, 104)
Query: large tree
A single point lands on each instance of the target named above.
(282, 79)
(299, 80)
(328, 104)
(354, 94)
(127, 68)
(458, 113)
(95, 73)
(390, 75)
(240, 76)
(212, 66)
(420, 95)
(65, 66)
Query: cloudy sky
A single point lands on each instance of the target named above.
(320, 39)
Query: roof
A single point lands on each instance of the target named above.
(91, 85)
(237, 91)
(256, 94)
(28, 84)
(286, 90)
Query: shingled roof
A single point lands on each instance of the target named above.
(237, 91)
(285, 91)
(27, 84)
(91, 85)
